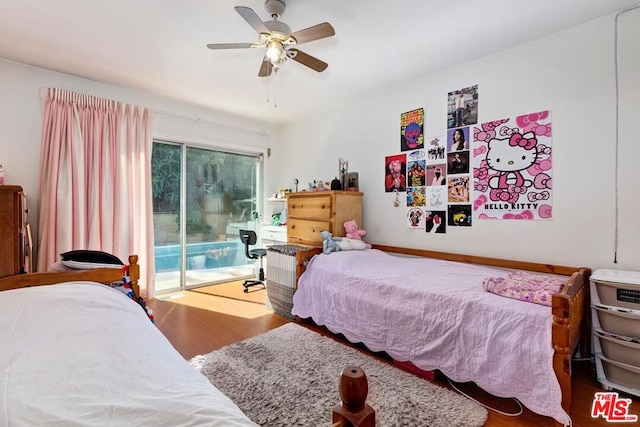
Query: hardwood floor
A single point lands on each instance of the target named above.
(205, 320)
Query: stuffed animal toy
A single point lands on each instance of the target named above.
(346, 244)
(329, 243)
(351, 228)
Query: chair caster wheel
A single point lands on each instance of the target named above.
(246, 291)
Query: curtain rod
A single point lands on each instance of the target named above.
(212, 123)
(43, 95)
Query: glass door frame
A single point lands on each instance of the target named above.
(258, 154)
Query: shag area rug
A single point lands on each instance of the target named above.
(289, 377)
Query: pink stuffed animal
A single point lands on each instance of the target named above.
(351, 227)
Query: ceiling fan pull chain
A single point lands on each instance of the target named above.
(268, 84)
(275, 88)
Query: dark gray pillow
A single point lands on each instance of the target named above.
(91, 257)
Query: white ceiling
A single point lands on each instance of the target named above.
(159, 46)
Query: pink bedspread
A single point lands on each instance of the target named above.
(436, 315)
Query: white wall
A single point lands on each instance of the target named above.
(572, 74)
(21, 124)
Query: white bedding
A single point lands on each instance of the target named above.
(82, 354)
(436, 314)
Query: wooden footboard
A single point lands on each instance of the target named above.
(570, 328)
(100, 275)
(302, 258)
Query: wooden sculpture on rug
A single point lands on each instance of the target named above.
(353, 411)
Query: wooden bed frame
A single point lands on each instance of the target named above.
(101, 275)
(569, 308)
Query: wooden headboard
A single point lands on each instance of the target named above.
(100, 275)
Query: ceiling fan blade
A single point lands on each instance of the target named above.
(316, 32)
(308, 60)
(229, 45)
(265, 68)
(253, 19)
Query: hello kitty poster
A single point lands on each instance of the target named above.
(512, 173)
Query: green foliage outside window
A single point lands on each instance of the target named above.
(220, 187)
(165, 178)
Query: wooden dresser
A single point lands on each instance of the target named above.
(14, 239)
(309, 213)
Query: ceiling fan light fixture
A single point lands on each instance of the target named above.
(275, 51)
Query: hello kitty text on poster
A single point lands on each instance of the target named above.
(512, 168)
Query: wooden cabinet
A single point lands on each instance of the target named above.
(309, 213)
(14, 238)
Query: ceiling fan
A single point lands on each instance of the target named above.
(277, 37)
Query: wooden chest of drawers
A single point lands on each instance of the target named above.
(309, 213)
(13, 231)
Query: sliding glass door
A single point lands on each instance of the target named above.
(201, 199)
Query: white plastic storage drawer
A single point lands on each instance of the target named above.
(616, 321)
(618, 375)
(617, 349)
(616, 288)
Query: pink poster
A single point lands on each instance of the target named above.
(395, 178)
(512, 168)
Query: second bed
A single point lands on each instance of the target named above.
(436, 314)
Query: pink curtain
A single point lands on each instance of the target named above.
(95, 180)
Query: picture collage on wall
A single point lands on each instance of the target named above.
(451, 178)
(434, 171)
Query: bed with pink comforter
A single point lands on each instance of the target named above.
(437, 315)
